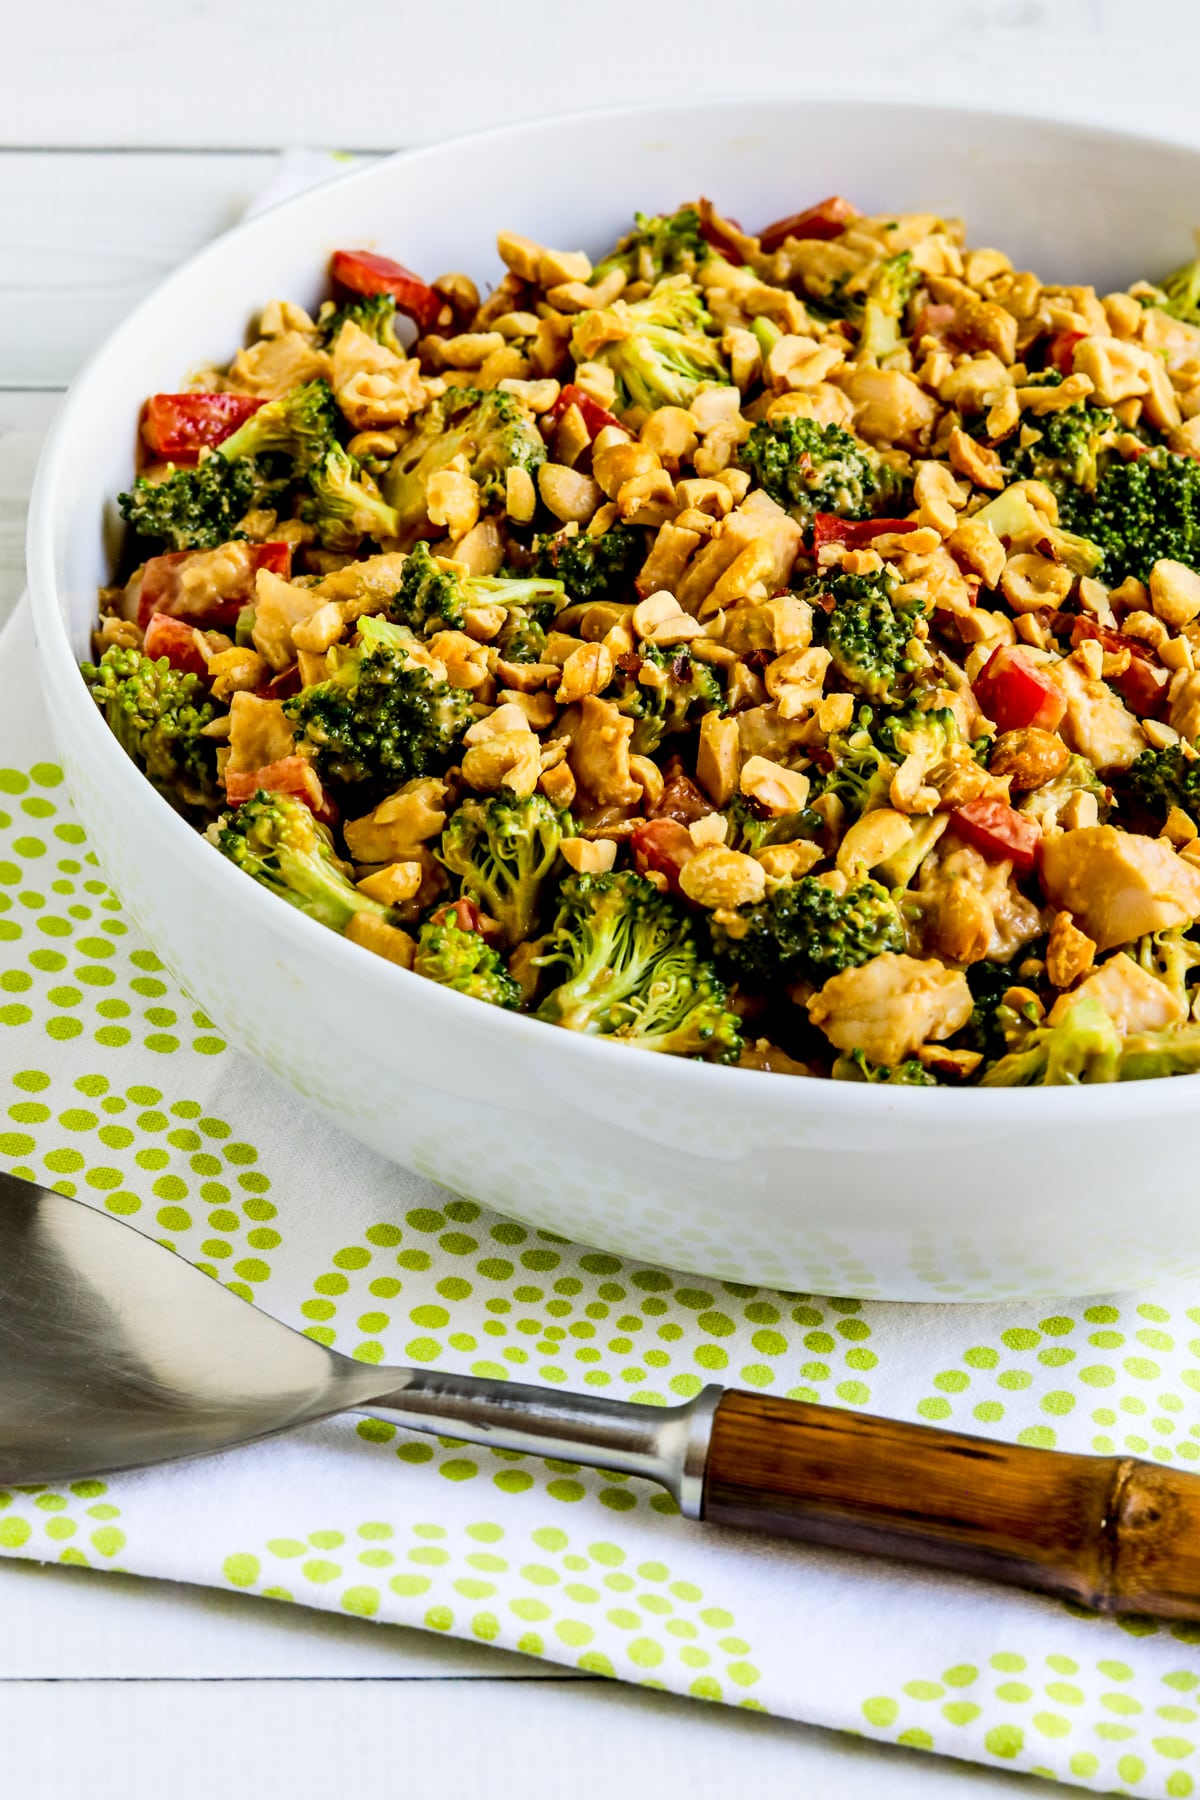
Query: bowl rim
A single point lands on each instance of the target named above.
(295, 934)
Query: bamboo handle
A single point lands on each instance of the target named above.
(1111, 1533)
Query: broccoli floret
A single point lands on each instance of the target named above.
(433, 597)
(1012, 515)
(1085, 1046)
(658, 348)
(803, 928)
(751, 829)
(492, 430)
(275, 838)
(381, 718)
(887, 293)
(1069, 454)
(373, 313)
(679, 693)
(991, 1022)
(464, 961)
(1171, 957)
(1160, 779)
(503, 851)
(157, 715)
(931, 732)
(288, 442)
(668, 244)
(1148, 1054)
(869, 632)
(1180, 294)
(1143, 511)
(521, 639)
(853, 766)
(1079, 777)
(855, 1067)
(196, 509)
(628, 966)
(810, 468)
(592, 568)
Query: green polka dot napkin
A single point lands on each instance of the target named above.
(116, 1088)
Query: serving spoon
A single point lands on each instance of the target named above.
(115, 1353)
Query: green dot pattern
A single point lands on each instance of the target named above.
(116, 1090)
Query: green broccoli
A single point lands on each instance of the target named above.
(196, 509)
(1148, 1054)
(628, 966)
(681, 692)
(751, 829)
(345, 504)
(381, 718)
(157, 715)
(492, 430)
(592, 568)
(854, 768)
(991, 1022)
(1070, 453)
(521, 639)
(887, 293)
(810, 468)
(869, 632)
(432, 597)
(1012, 515)
(1157, 780)
(464, 961)
(275, 838)
(804, 928)
(374, 313)
(503, 851)
(931, 732)
(1171, 957)
(658, 348)
(668, 244)
(1179, 294)
(1143, 511)
(1078, 777)
(1085, 1046)
(855, 1067)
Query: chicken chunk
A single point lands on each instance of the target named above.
(599, 755)
(890, 1006)
(1133, 1000)
(259, 734)
(1097, 724)
(1117, 885)
(279, 606)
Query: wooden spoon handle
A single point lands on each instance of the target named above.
(1110, 1532)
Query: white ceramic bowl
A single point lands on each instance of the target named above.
(913, 1194)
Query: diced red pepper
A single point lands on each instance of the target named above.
(827, 219)
(997, 831)
(662, 846)
(853, 534)
(208, 587)
(1143, 685)
(1015, 693)
(724, 234)
(281, 687)
(594, 415)
(176, 427)
(465, 914)
(292, 775)
(1060, 351)
(935, 321)
(179, 643)
(363, 272)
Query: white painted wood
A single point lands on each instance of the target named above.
(245, 72)
(477, 1740)
(24, 421)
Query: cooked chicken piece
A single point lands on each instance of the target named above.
(972, 908)
(599, 755)
(1117, 885)
(1133, 1000)
(273, 366)
(890, 1006)
(259, 734)
(890, 408)
(408, 817)
(1097, 724)
(278, 606)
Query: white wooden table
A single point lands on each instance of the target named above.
(130, 133)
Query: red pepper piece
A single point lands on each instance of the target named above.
(292, 775)
(661, 846)
(828, 528)
(176, 427)
(1143, 685)
(1015, 693)
(594, 415)
(179, 643)
(827, 219)
(998, 832)
(935, 321)
(1060, 351)
(365, 273)
(212, 602)
(281, 687)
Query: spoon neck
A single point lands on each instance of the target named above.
(665, 1444)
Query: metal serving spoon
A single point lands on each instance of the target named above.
(116, 1353)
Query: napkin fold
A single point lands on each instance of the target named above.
(117, 1088)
